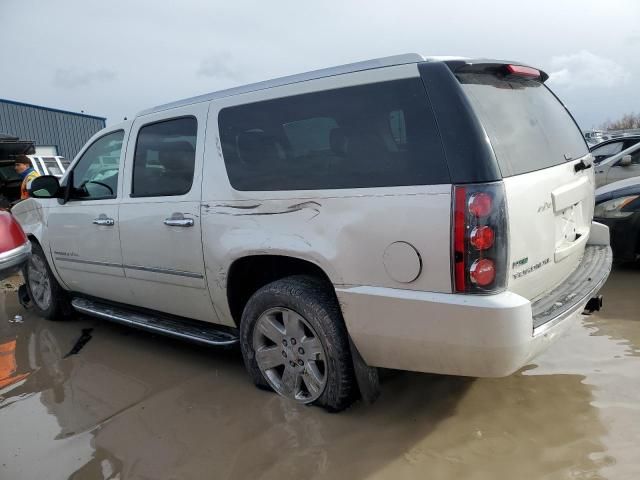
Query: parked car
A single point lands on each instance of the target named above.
(10, 180)
(15, 248)
(10, 147)
(606, 149)
(49, 165)
(618, 207)
(595, 136)
(9, 184)
(334, 222)
(622, 165)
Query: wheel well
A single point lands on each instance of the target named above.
(248, 274)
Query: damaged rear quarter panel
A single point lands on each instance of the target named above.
(344, 232)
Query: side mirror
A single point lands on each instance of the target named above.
(625, 161)
(46, 186)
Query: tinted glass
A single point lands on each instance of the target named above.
(374, 135)
(630, 142)
(165, 158)
(95, 176)
(8, 173)
(528, 127)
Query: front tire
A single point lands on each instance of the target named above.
(294, 341)
(47, 296)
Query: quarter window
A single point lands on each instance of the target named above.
(95, 176)
(164, 159)
(375, 135)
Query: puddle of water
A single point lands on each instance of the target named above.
(130, 405)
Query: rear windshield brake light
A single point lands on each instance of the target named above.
(522, 71)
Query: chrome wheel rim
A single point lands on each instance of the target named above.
(39, 282)
(290, 355)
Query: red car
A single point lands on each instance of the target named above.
(15, 248)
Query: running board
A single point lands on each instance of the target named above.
(200, 333)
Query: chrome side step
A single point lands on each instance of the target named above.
(197, 333)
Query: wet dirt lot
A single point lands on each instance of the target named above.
(85, 399)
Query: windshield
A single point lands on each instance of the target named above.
(605, 151)
(528, 127)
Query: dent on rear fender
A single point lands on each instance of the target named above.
(249, 234)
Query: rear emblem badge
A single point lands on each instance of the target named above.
(544, 206)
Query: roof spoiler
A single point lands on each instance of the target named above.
(497, 67)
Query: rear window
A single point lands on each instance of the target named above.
(527, 125)
(372, 135)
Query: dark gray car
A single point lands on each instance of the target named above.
(618, 207)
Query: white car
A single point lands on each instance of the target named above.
(620, 166)
(407, 212)
(49, 165)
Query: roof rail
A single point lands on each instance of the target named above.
(301, 77)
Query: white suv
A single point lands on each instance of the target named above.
(408, 212)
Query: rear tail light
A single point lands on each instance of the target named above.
(482, 272)
(482, 238)
(479, 238)
(480, 204)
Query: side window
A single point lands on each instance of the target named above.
(635, 157)
(95, 176)
(310, 136)
(164, 159)
(375, 135)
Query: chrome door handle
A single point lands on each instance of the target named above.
(179, 222)
(109, 222)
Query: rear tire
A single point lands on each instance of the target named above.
(48, 298)
(280, 321)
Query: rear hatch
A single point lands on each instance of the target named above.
(537, 145)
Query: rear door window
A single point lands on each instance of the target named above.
(164, 159)
(528, 127)
(375, 135)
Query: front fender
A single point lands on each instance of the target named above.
(31, 215)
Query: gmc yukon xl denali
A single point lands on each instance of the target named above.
(419, 213)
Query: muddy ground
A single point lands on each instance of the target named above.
(85, 399)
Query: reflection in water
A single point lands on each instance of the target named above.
(130, 405)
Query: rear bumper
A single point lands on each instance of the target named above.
(13, 260)
(479, 336)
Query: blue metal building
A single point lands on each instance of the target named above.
(50, 127)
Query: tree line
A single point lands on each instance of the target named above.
(627, 121)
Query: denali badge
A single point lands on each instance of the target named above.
(544, 206)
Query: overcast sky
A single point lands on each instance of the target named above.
(113, 58)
